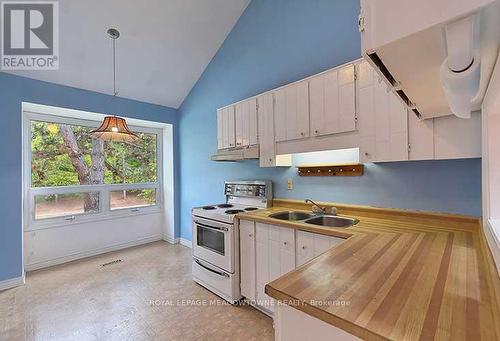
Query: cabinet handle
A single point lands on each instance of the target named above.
(303, 247)
(366, 153)
(285, 243)
(250, 235)
(316, 131)
(301, 134)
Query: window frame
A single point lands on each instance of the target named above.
(104, 190)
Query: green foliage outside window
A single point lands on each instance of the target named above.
(66, 155)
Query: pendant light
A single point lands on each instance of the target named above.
(114, 128)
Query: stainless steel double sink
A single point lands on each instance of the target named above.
(324, 220)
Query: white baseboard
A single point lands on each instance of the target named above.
(492, 233)
(171, 240)
(11, 283)
(90, 253)
(186, 242)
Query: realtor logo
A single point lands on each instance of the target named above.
(30, 35)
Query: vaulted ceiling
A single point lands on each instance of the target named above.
(164, 47)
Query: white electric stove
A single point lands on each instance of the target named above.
(216, 236)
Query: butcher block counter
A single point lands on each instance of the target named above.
(405, 275)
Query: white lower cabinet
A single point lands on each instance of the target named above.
(310, 245)
(267, 252)
(247, 259)
(275, 256)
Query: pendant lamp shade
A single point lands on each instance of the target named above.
(114, 128)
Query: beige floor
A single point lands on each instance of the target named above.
(137, 299)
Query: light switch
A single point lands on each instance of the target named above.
(290, 184)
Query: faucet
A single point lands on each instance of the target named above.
(322, 209)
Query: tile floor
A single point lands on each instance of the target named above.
(140, 298)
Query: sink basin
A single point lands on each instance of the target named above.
(291, 215)
(332, 221)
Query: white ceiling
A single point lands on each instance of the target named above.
(164, 47)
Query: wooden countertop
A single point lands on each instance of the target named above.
(400, 275)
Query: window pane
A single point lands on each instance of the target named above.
(60, 205)
(66, 155)
(132, 198)
(133, 162)
(60, 154)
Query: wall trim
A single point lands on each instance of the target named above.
(186, 242)
(171, 240)
(12, 282)
(491, 232)
(93, 252)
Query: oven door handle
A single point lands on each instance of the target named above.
(211, 270)
(212, 227)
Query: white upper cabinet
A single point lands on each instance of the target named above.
(383, 126)
(246, 123)
(456, 138)
(220, 124)
(391, 126)
(226, 128)
(406, 42)
(266, 130)
(332, 102)
(291, 112)
(420, 137)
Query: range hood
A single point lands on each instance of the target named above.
(409, 43)
(236, 154)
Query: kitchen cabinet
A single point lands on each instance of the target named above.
(275, 256)
(384, 134)
(332, 102)
(226, 128)
(267, 252)
(420, 138)
(265, 110)
(310, 245)
(247, 259)
(246, 123)
(291, 112)
(456, 138)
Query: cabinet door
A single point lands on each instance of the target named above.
(266, 130)
(332, 102)
(391, 125)
(291, 112)
(420, 138)
(247, 259)
(366, 116)
(305, 247)
(228, 127)
(456, 138)
(246, 123)
(310, 245)
(262, 264)
(220, 129)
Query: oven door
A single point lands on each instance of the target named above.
(213, 242)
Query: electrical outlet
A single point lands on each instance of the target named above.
(290, 184)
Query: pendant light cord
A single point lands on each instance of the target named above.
(114, 68)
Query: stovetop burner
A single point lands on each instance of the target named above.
(251, 208)
(233, 211)
(224, 205)
(207, 208)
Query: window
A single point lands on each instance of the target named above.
(75, 177)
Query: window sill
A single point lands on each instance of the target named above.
(116, 214)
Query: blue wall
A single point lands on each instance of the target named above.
(13, 91)
(276, 42)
